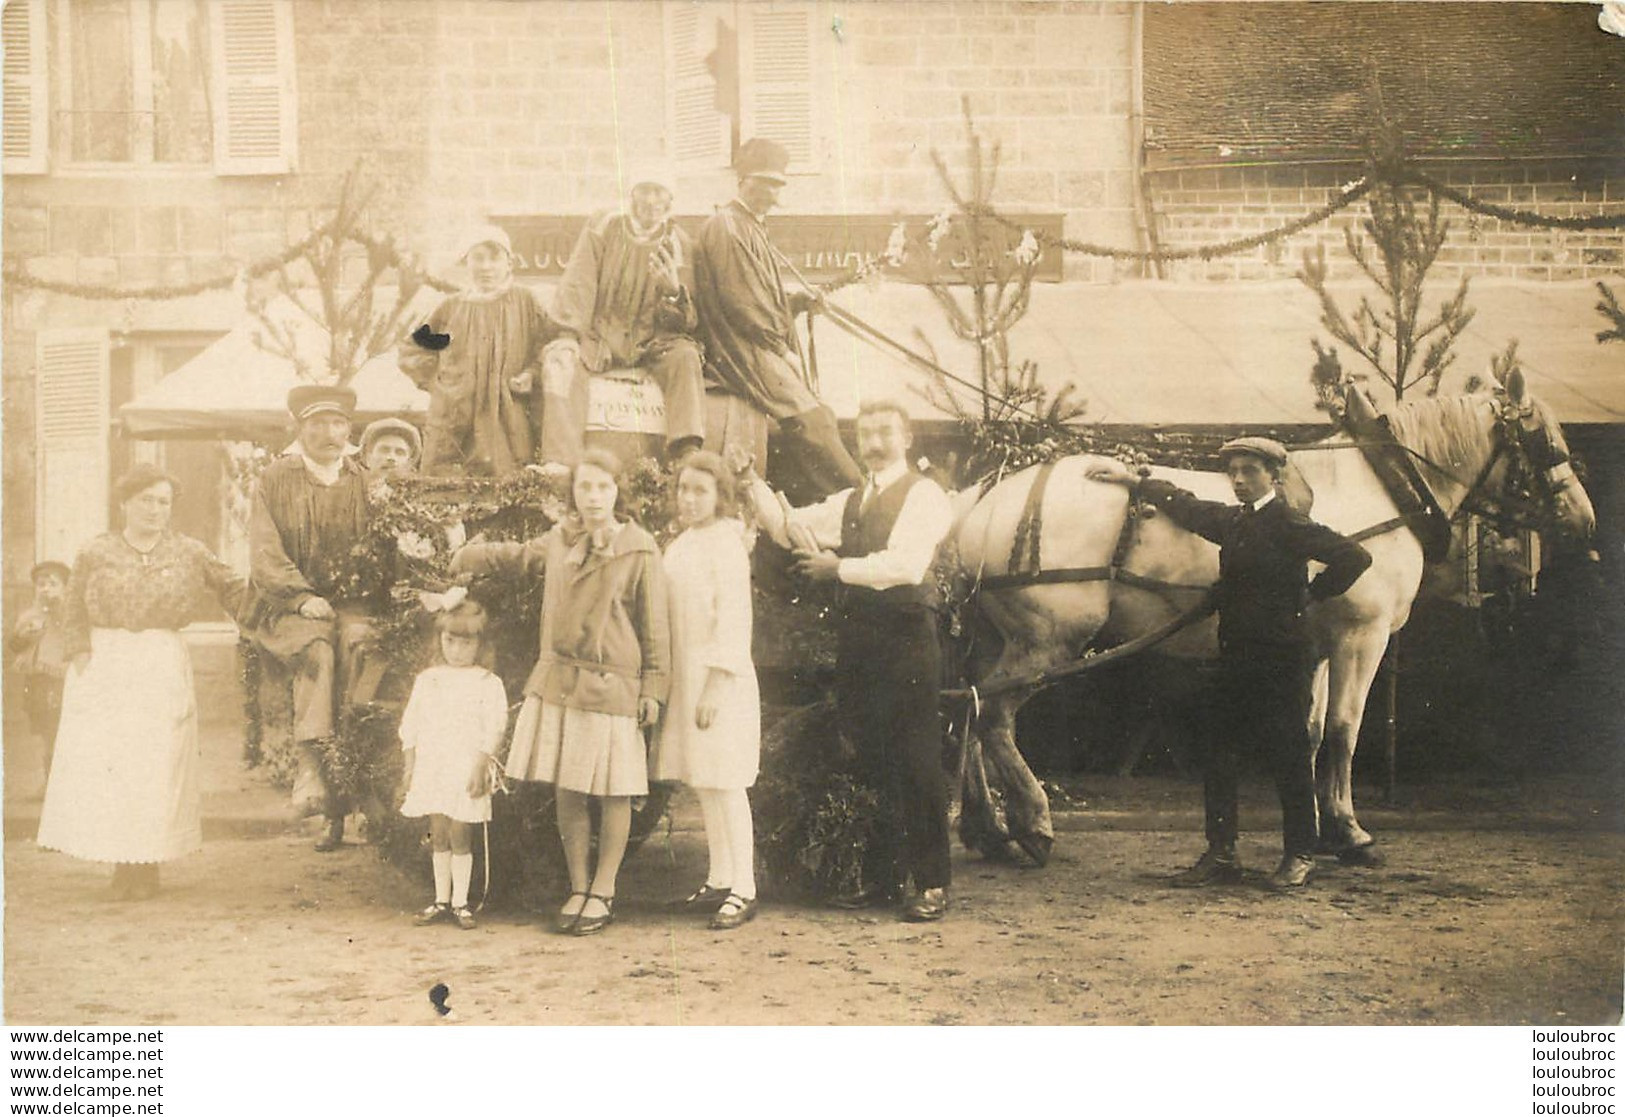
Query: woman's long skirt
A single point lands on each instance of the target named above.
(125, 783)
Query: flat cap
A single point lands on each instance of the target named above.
(1265, 448)
(306, 400)
(399, 427)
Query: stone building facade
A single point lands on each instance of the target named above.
(211, 133)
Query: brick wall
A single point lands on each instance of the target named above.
(1196, 207)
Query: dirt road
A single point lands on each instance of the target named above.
(1485, 913)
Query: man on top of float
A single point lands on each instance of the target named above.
(625, 301)
(747, 322)
(1266, 659)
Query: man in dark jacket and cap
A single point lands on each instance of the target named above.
(1266, 660)
(304, 608)
(747, 322)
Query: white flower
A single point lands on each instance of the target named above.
(896, 247)
(1027, 251)
(380, 491)
(413, 545)
(1349, 187)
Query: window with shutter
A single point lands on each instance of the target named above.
(22, 27)
(254, 122)
(70, 423)
(700, 107)
(777, 64)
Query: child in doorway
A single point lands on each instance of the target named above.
(453, 723)
(41, 657)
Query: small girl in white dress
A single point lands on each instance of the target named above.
(454, 721)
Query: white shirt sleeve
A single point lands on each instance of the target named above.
(922, 524)
(413, 713)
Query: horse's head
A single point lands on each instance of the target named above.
(1538, 458)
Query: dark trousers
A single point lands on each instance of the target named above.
(1261, 709)
(888, 669)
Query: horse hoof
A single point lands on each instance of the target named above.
(1366, 857)
(1037, 847)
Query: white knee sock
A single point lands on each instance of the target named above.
(719, 874)
(741, 841)
(462, 868)
(442, 876)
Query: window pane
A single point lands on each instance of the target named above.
(180, 95)
(103, 115)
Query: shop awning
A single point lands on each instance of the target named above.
(236, 389)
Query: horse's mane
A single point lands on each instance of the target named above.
(1453, 431)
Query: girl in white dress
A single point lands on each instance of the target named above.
(453, 723)
(711, 736)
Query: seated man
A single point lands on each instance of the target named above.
(624, 302)
(390, 447)
(303, 610)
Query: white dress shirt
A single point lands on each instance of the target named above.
(922, 524)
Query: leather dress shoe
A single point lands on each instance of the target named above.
(1291, 874)
(1215, 866)
(926, 906)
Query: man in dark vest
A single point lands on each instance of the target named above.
(747, 322)
(1266, 662)
(879, 541)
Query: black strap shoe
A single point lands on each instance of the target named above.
(1215, 866)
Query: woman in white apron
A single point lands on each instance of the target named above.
(124, 786)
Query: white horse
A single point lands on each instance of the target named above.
(1476, 446)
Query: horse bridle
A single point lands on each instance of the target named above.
(1534, 456)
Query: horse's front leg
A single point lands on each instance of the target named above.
(1351, 669)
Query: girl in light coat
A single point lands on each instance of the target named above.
(710, 738)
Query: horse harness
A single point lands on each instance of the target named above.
(1550, 465)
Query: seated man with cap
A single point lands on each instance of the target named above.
(1266, 656)
(747, 322)
(625, 301)
(390, 447)
(477, 357)
(304, 608)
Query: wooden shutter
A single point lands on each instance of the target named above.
(776, 58)
(251, 48)
(26, 111)
(71, 414)
(701, 134)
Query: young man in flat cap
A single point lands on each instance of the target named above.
(747, 322)
(626, 301)
(1266, 662)
(390, 447)
(310, 509)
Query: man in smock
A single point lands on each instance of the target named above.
(304, 608)
(747, 322)
(879, 541)
(625, 301)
